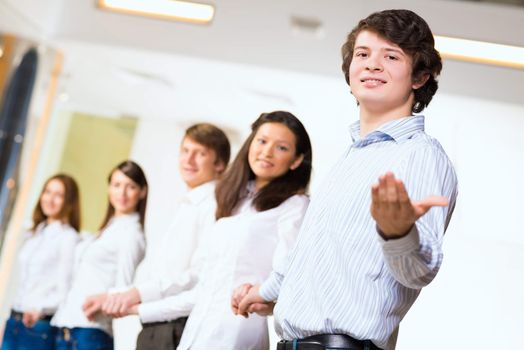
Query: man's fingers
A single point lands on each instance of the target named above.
(435, 201)
(391, 190)
(402, 193)
(423, 206)
(122, 311)
(108, 306)
(262, 309)
(382, 190)
(375, 202)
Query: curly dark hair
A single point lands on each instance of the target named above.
(412, 34)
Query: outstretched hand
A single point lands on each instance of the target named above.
(393, 210)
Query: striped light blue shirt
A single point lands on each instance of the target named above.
(342, 277)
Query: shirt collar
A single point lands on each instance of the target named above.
(200, 193)
(396, 130)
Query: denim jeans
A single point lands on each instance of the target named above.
(19, 337)
(83, 339)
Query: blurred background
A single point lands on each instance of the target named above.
(105, 86)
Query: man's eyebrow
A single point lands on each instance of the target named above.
(392, 49)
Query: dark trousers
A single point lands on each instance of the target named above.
(19, 337)
(161, 335)
(83, 339)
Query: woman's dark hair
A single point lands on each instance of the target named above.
(413, 35)
(70, 211)
(232, 187)
(133, 171)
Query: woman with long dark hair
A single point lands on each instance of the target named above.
(107, 261)
(260, 205)
(45, 266)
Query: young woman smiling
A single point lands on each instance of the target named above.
(260, 205)
(107, 261)
(45, 266)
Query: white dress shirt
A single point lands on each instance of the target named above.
(342, 277)
(176, 262)
(101, 263)
(244, 248)
(46, 264)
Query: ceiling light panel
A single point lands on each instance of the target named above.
(164, 9)
(480, 52)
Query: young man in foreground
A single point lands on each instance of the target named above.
(356, 271)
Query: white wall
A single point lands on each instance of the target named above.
(476, 300)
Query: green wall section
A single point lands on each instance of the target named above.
(94, 145)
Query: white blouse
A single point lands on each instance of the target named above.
(244, 249)
(45, 266)
(101, 263)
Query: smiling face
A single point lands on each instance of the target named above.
(198, 163)
(272, 153)
(52, 200)
(124, 193)
(380, 76)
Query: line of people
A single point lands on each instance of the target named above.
(244, 243)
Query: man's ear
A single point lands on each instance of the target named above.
(296, 163)
(219, 167)
(420, 81)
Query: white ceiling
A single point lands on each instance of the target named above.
(259, 33)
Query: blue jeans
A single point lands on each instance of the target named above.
(19, 337)
(83, 339)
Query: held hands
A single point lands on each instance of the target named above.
(246, 299)
(122, 304)
(392, 209)
(115, 305)
(29, 318)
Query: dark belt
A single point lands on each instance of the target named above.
(20, 315)
(326, 341)
(181, 320)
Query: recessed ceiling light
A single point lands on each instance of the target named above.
(164, 9)
(306, 26)
(480, 52)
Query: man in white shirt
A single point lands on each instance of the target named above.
(204, 155)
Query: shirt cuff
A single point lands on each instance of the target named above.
(148, 313)
(148, 292)
(402, 245)
(158, 311)
(270, 289)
